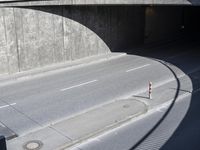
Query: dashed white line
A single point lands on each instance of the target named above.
(7, 105)
(137, 68)
(85, 83)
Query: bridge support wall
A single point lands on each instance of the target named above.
(34, 37)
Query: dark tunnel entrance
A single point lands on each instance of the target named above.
(168, 30)
(163, 25)
(129, 28)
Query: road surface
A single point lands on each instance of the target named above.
(33, 104)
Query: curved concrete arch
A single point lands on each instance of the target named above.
(32, 38)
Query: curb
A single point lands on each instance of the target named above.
(57, 68)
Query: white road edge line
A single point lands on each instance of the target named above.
(137, 68)
(7, 105)
(85, 83)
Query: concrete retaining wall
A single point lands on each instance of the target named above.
(34, 37)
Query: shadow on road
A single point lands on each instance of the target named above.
(187, 135)
(166, 113)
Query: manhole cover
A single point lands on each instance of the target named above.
(33, 145)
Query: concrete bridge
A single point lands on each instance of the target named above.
(35, 34)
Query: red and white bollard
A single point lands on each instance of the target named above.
(150, 90)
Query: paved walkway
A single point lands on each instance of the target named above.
(84, 126)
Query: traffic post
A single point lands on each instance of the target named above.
(150, 90)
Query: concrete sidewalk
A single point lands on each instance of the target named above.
(82, 127)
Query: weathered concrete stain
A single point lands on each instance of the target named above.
(33, 37)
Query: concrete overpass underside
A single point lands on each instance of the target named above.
(97, 2)
(35, 34)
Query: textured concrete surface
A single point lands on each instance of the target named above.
(83, 126)
(99, 2)
(35, 37)
(50, 139)
(94, 121)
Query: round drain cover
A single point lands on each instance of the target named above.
(33, 145)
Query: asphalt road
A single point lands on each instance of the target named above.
(39, 102)
(32, 104)
(177, 130)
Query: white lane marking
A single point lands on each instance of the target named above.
(85, 83)
(7, 105)
(137, 68)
